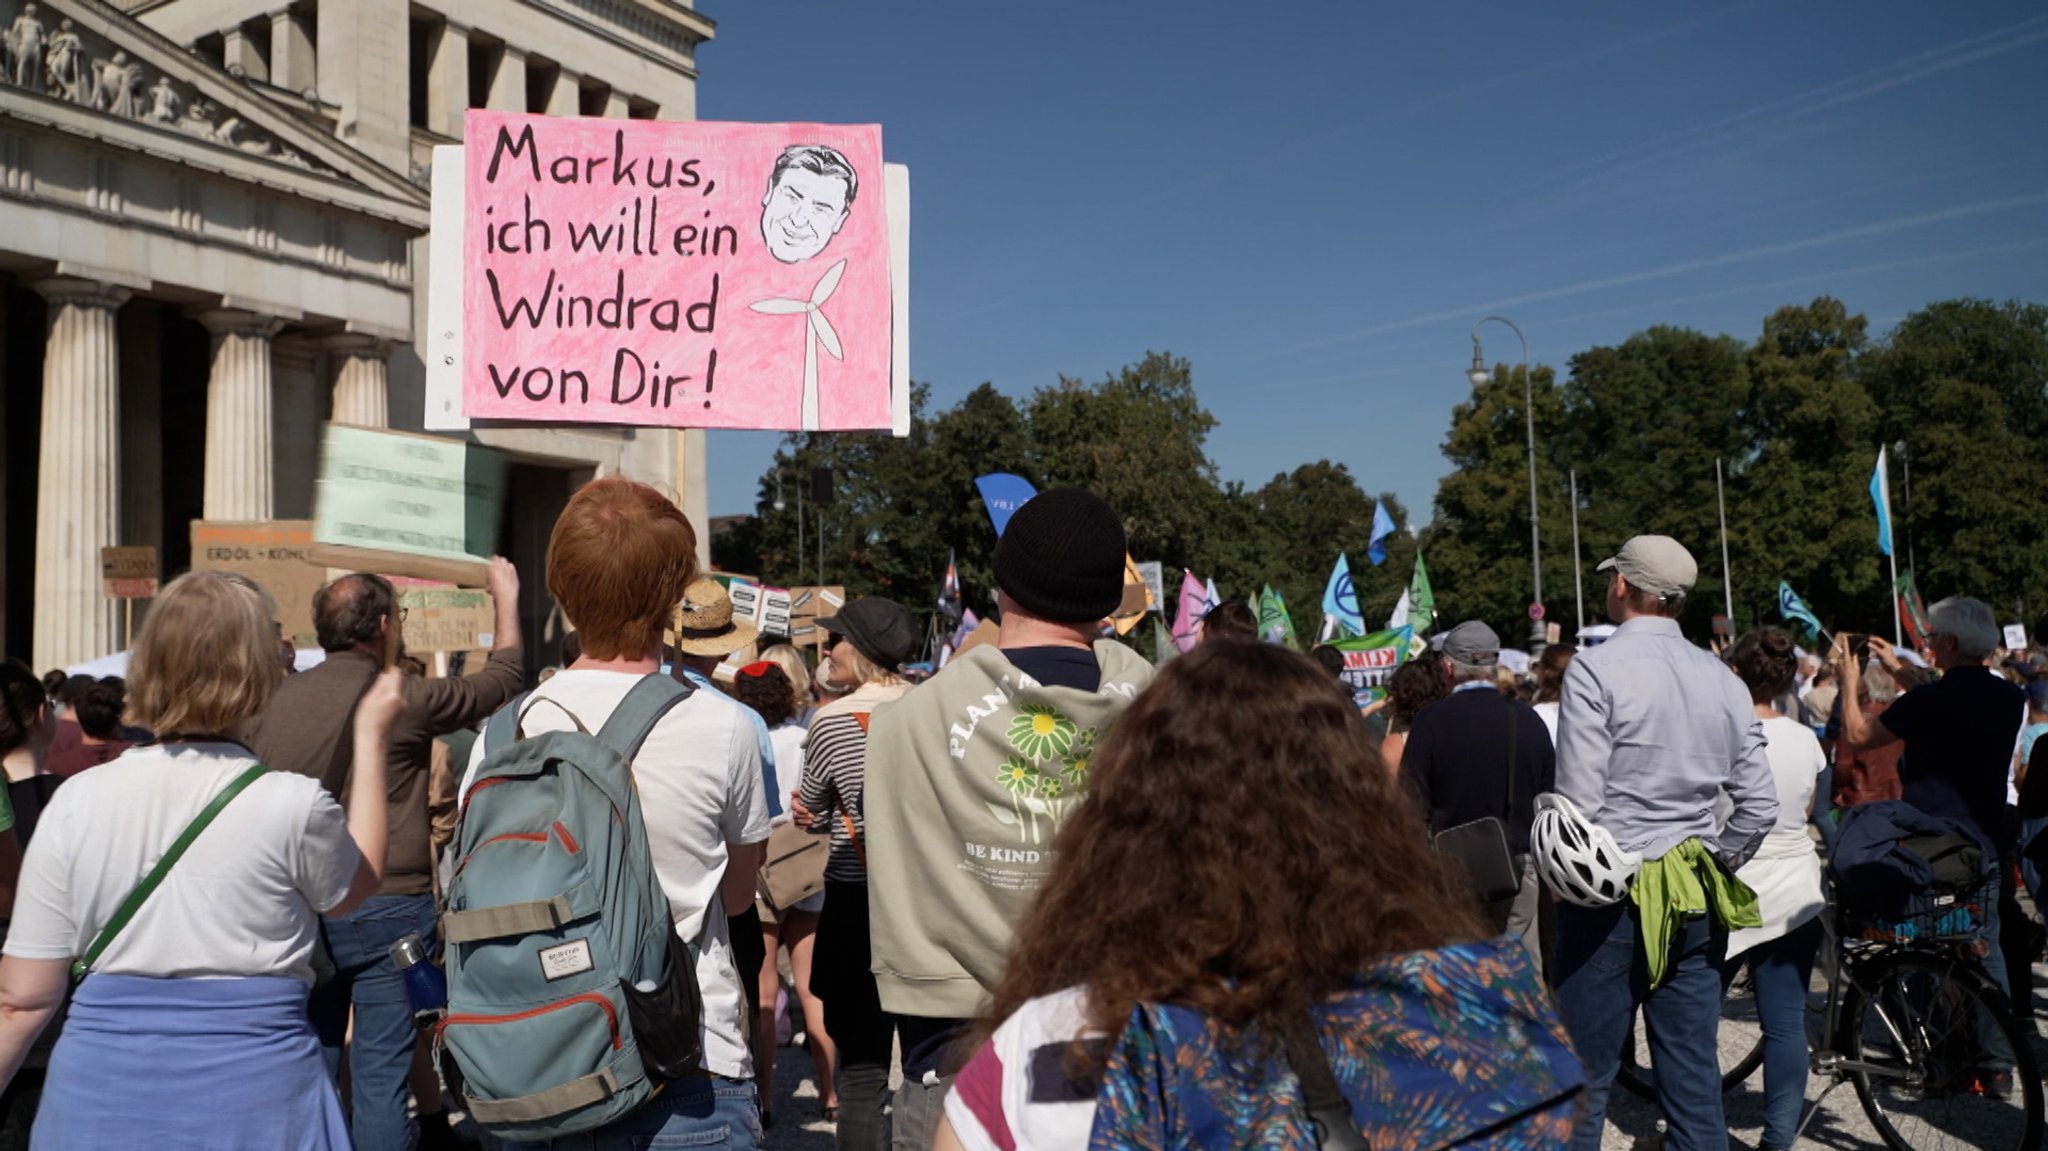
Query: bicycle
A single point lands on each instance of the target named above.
(1914, 1023)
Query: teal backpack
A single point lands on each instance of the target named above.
(570, 999)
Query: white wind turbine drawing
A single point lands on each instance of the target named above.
(818, 330)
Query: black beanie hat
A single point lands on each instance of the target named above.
(1062, 557)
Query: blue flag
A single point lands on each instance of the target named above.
(1792, 609)
(1881, 495)
(1003, 493)
(1382, 527)
(1340, 599)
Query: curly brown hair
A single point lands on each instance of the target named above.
(1240, 851)
(1415, 685)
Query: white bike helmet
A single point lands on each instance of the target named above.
(1577, 858)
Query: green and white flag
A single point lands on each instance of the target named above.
(1421, 600)
(1274, 624)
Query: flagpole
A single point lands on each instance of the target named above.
(1727, 580)
(1898, 636)
(1578, 579)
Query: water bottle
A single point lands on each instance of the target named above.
(426, 987)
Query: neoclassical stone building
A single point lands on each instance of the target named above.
(212, 220)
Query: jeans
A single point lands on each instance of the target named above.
(1997, 1053)
(707, 1113)
(1782, 970)
(1600, 980)
(380, 1057)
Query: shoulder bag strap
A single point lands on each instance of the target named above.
(155, 878)
(1328, 1111)
(1514, 737)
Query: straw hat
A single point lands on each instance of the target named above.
(704, 623)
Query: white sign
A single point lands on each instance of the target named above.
(746, 602)
(774, 611)
(2015, 637)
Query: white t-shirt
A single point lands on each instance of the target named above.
(1785, 872)
(244, 900)
(699, 777)
(1796, 764)
(1549, 713)
(1013, 1094)
(788, 741)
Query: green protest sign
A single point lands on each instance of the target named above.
(413, 495)
(1370, 660)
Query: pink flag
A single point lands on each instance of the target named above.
(1194, 604)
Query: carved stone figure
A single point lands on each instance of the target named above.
(164, 102)
(120, 86)
(70, 71)
(25, 50)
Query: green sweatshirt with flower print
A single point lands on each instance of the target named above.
(969, 777)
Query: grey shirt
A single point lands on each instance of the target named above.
(1651, 732)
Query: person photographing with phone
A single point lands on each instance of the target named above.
(1958, 733)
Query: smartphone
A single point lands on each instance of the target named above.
(1859, 646)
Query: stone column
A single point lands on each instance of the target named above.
(565, 96)
(78, 481)
(508, 81)
(238, 431)
(242, 55)
(616, 105)
(362, 389)
(448, 80)
(292, 63)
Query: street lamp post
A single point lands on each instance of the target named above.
(1479, 375)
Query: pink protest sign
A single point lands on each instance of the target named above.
(675, 274)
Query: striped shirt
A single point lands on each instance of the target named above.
(835, 767)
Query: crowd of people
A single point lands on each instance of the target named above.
(1070, 898)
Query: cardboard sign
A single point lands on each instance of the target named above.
(806, 604)
(273, 554)
(128, 573)
(388, 496)
(674, 274)
(447, 619)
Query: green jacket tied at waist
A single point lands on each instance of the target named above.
(1685, 881)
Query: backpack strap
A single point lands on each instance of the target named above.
(503, 729)
(150, 882)
(645, 703)
(1329, 1112)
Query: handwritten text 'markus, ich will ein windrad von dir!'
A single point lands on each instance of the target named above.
(633, 228)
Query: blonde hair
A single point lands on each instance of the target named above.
(865, 670)
(791, 662)
(207, 657)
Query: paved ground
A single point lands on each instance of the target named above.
(1632, 1123)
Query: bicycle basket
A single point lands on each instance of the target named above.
(1937, 914)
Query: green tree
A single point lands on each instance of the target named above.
(1477, 547)
(1645, 422)
(1799, 509)
(1963, 385)
(1137, 440)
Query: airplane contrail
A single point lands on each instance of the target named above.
(1759, 252)
(1862, 85)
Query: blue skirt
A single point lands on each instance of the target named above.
(175, 1063)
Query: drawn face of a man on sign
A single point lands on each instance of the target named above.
(809, 194)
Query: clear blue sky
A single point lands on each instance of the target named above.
(1313, 201)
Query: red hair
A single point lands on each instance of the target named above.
(618, 561)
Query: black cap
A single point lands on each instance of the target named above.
(1062, 557)
(878, 628)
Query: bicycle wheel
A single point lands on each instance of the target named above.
(1741, 1038)
(1923, 1038)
